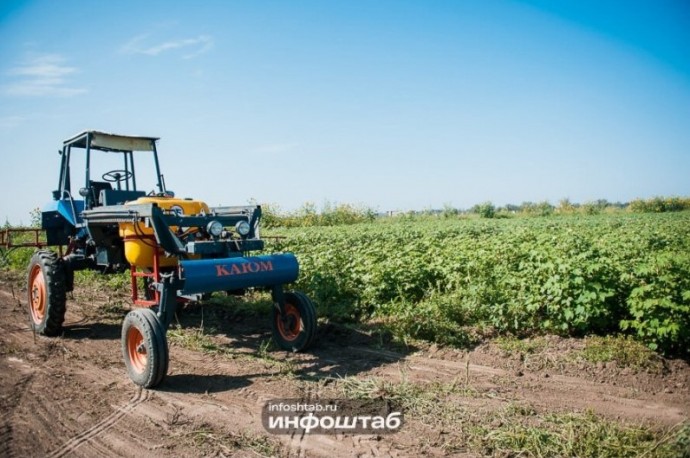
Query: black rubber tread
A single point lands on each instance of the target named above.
(147, 323)
(55, 279)
(309, 319)
(164, 355)
(307, 333)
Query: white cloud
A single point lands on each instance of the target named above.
(192, 46)
(42, 75)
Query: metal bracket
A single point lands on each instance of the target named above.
(168, 300)
(278, 297)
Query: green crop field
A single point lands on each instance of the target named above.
(451, 280)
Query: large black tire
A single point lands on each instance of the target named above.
(295, 329)
(47, 285)
(144, 348)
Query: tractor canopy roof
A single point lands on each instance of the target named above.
(104, 141)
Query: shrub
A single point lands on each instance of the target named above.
(659, 305)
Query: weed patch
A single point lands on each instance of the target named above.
(625, 351)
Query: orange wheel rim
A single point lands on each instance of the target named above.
(37, 295)
(290, 323)
(136, 350)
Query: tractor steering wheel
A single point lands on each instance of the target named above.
(116, 176)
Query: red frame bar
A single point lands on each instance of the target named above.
(7, 233)
(155, 275)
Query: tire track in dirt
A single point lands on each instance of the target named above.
(5, 436)
(20, 387)
(108, 422)
(240, 409)
(6, 419)
(566, 391)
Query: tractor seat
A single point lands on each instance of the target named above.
(115, 197)
(96, 188)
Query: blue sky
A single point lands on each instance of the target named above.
(396, 105)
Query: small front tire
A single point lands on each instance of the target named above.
(294, 329)
(144, 348)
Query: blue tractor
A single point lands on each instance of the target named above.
(175, 250)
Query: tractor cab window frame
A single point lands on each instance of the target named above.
(125, 182)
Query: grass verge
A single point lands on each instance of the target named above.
(514, 428)
(625, 351)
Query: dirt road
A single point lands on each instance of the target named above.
(70, 396)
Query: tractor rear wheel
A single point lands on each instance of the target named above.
(47, 284)
(144, 348)
(295, 328)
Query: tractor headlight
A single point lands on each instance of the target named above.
(242, 228)
(214, 228)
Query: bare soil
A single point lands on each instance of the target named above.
(70, 396)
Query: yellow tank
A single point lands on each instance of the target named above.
(140, 240)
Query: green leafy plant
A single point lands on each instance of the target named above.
(660, 303)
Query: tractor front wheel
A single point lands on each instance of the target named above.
(144, 348)
(295, 328)
(47, 284)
